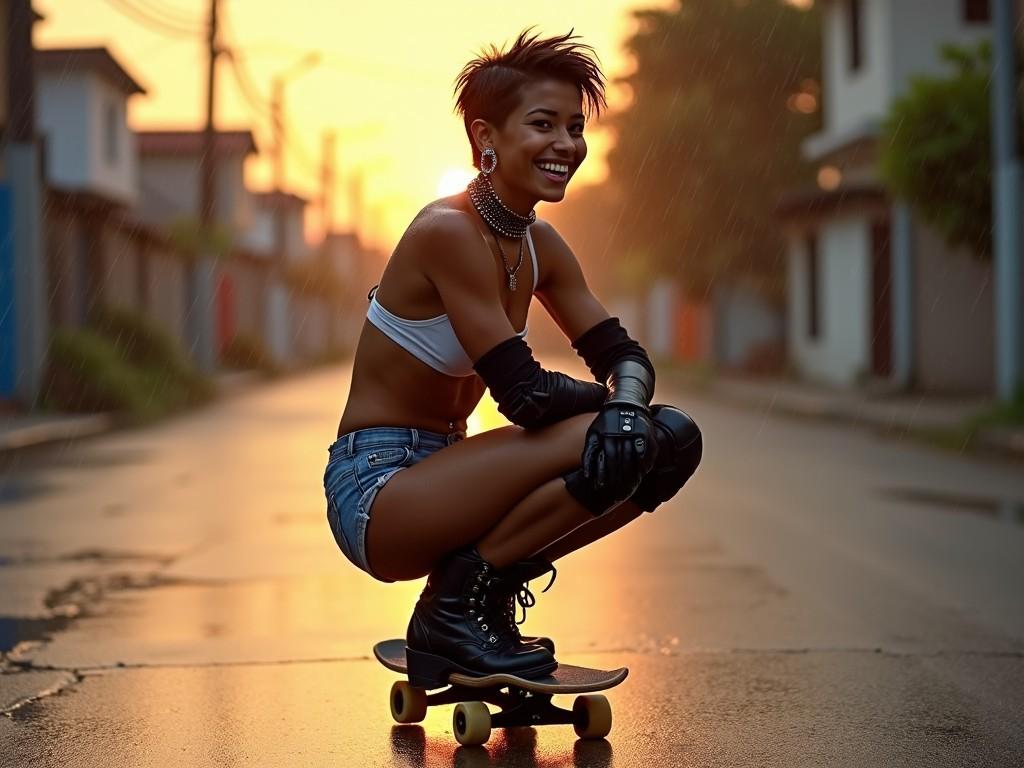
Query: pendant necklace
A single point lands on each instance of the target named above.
(512, 281)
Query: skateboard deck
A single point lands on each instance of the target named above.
(523, 702)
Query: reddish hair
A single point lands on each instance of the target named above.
(488, 87)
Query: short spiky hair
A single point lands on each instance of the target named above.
(488, 87)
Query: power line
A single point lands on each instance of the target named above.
(169, 13)
(153, 23)
(249, 91)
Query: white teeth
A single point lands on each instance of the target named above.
(554, 167)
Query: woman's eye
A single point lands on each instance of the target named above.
(577, 129)
(542, 123)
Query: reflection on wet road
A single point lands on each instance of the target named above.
(816, 596)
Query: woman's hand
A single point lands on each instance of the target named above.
(619, 449)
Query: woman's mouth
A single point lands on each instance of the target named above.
(555, 172)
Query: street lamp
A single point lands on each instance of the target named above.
(303, 65)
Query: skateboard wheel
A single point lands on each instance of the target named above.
(471, 723)
(592, 716)
(408, 704)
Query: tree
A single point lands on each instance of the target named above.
(937, 149)
(723, 93)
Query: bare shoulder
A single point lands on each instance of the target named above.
(442, 235)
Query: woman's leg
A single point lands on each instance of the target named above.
(457, 496)
(591, 531)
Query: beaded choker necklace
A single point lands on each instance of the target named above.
(499, 217)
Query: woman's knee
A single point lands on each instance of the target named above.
(680, 449)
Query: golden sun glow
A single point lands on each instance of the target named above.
(390, 110)
(453, 181)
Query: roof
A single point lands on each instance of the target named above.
(816, 201)
(235, 142)
(98, 60)
(342, 236)
(279, 199)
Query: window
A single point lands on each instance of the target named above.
(976, 11)
(111, 132)
(813, 324)
(856, 43)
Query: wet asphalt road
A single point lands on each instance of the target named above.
(817, 595)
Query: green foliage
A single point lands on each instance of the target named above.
(709, 141)
(85, 373)
(936, 149)
(143, 343)
(245, 352)
(187, 236)
(125, 364)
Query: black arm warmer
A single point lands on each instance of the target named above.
(527, 394)
(604, 348)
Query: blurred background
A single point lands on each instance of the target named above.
(796, 189)
(801, 208)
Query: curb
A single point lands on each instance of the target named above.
(998, 442)
(72, 427)
(54, 430)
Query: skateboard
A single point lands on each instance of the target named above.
(522, 702)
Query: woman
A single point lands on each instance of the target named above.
(408, 493)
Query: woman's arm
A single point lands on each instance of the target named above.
(562, 289)
(619, 446)
(461, 267)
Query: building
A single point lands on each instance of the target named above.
(82, 100)
(278, 227)
(874, 295)
(169, 167)
(92, 239)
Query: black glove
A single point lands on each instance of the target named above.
(528, 395)
(620, 447)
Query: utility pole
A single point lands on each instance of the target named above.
(24, 331)
(355, 201)
(326, 202)
(1006, 204)
(327, 181)
(204, 271)
(277, 124)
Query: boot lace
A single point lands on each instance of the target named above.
(521, 597)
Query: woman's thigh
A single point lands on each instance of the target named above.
(454, 496)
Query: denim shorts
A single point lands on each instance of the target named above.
(359, 464)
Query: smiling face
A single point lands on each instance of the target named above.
(540, 145)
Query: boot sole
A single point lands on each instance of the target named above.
(428, 670)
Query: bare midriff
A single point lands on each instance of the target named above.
(391, 387)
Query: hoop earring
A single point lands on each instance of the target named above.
(493, 156)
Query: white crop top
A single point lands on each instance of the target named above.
(433, 340)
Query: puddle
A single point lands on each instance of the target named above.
(14, 490)
(13, 632)
(993, 508)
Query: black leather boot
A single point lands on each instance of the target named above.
(453, 630)
(512, 589)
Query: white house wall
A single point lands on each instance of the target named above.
(71, 109)
(233, 199)
(64, 119)
(169, 188)
(916, 51)
(953, 318)
(117, 178)
(851, 96)
(840, 353)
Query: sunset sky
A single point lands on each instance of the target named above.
(384, 81)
